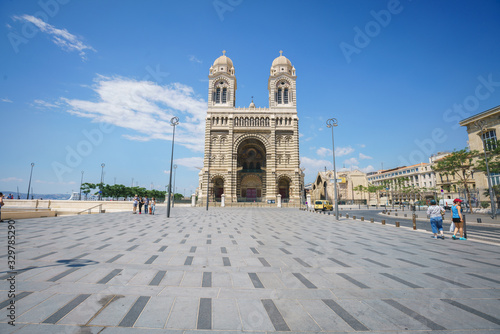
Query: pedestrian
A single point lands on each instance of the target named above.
(153, 206)
(1, 204)
(141, 203)
(146, 204)
(435, 212)
(136, 201)
(457, 218)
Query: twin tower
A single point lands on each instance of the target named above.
(251, 154)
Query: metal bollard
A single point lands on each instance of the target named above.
(465, 229)
(347, 215)
(406, 215)
(383, 221)
(414, 222)
(397, 224)
(389, 213)
(479, 220)
(354, 217)
(371, 220)
(396, 214)
(362, 219)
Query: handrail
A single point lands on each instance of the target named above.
(90, 209)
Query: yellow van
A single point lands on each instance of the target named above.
(323, 205)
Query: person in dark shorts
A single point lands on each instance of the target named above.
(458, 219)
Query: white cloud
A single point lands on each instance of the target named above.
(368, 169)
(11, 179)
(363, 157)
(341, 151)
(146, 108)
(323, 152)
(194, 59)
(52, 182)
(6, 100)
(362, 145)
(192, 163)
(313, 166)
(43, 104)
(61, 37)
(351, 161)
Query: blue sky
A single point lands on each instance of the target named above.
(91, 82)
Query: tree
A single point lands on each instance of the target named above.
(459, 164)
(360, 189)
(87, 187)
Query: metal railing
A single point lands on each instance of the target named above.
(89, 210)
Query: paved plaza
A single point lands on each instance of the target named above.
(232, 270)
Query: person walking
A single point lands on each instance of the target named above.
(457, 218)
(435, 213)
(153, 206)
(136, 201)
(141, 203)
(146, 204)
(1, 204)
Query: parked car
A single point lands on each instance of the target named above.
(323, 205)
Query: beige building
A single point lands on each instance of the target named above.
(323, 187)
(489, 120)
(252, 153)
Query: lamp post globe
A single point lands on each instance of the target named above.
(173, 122)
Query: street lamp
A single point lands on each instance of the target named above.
(330, 123)
(481, 125)
(29, 184)
(173, 122)
(102, 181)
(81, 182)
(173, 199)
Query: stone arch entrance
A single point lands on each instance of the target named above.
(251, 164)
(218, 187)
(284, 183)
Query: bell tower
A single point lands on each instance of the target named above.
(222, 83)
(281, 83)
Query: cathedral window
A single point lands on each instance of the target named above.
(279, 96)
(285, 96)
(224, 95)
(217, 96)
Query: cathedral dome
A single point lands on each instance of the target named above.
(282, 65)
(281, 60)
(222, 64)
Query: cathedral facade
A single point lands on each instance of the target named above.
(251, 154)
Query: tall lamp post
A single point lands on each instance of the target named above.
(102, 181)
(331, 123)
(173, 199)
(81, 183)
(173, 122)
(29, 184)
(481, 125)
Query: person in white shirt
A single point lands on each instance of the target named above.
(435, 212)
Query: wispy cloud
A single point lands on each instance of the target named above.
(191, 163)
(6, 100)
(323, 151)
(351, 161)
(11, 179)
(61, 37)
(341, 151)
(313, 166)
(43, 104)
(146, 108)
(52, 182)
(194, 59)
(364, 157)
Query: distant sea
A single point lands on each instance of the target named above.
(36, 195)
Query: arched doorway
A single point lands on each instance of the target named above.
(284, 188)
(251, 163)
(218, 184)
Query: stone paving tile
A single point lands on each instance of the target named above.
(263, 270)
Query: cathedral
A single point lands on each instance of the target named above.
(252, 153)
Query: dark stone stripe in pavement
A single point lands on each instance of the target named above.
(207, 280)
(374, 251)
(353, 281)
(193, 249)
(473, 311)
(223, 250)
(286, 243)
(132, 248)
(50, 243)
(157, 241)
(158, 278)
(485, 278)
(133, 239)
(107, 239)
(447, 262)
(345, 251)
(189, 261)
(113, 259)
(411, 262)
(447, 280)
(109, 276)
(256, 281)
(285, 251)
(226, 262)
(19, 296)
(80, 256)
(75, 245)
(487, 263)
(315, 251)
(420, 318)
(260, 242)
(346, 316)
(234, 242)
(16, 273)
(205, 314)
(339, 262)
(305, 264)
(151, 259)
(62, 312)
(305, 281)
(103, 246)
(162, 248)
(375, 262)
(275, 316)
(134, 312)
(312, 243)
(183, 241)
(254, 250)
(264, 262)
(63, 274)
(402, 281)
(42, 256)
(209, 242)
